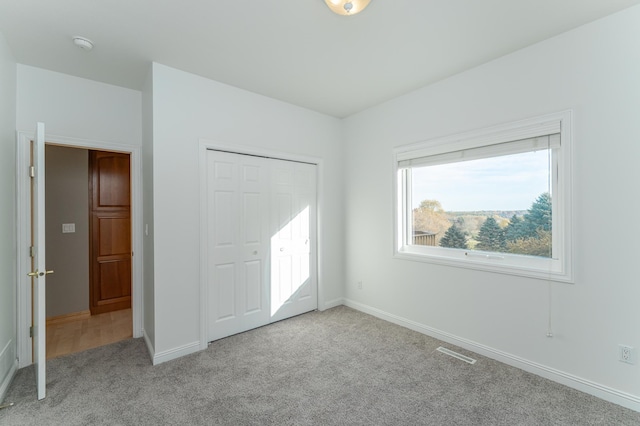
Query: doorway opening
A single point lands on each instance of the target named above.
(134, 314)
(88, 239)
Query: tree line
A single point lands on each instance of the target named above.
(529, 234)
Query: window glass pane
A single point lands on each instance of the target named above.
(500, 204)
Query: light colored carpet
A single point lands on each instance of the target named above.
(338, 367)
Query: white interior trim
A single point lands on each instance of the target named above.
(560, 270)
(332, 303)
(23, 208)
(174, 353)
(150, 348)
(423, 158)
(206, 144)
(518, 130)
(592, 388)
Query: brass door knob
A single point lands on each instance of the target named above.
(39, 274)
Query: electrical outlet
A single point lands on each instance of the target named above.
(359, 285)
(627, 354)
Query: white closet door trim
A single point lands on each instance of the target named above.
(259, 152)
(207, 144)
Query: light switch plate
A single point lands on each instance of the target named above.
(68, 228)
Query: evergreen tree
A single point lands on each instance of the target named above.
(491, 237)
(539, 216)
(454, 238)
(516, 229)
(532, 235)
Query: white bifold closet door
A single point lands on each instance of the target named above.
(261, 216)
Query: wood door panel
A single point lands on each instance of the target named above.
(115, 278)
(114, 235)
(111, 178)
(110, 246)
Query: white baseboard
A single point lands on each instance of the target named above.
(332, 303)
(8, 367)
(174, 353)
(608, 394)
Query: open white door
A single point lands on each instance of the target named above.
(39, 273)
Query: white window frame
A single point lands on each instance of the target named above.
(558, 268)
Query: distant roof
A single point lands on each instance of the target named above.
(423, 233)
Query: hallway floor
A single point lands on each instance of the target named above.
(75, 335)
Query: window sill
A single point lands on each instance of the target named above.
(491, 263)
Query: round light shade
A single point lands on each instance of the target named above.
(347, 7)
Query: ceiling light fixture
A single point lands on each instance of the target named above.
(347, 7)
(83, 43)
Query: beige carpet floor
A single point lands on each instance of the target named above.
(338, 367)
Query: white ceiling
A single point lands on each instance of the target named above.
(293, 50)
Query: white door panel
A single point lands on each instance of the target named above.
(39, 274)
(261, 241)
(224, 298)
(237, 197)
(293, 280)
(254, 294)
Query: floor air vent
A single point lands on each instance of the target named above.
(456, 355)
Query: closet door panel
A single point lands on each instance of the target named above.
(261, 236)
(237, 243)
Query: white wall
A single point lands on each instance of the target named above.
(593, 70)
(78, 108)
(186, 108)
(7, 215)
(147, 183)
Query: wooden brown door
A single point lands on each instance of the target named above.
(110, 231)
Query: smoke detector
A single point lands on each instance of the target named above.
(83, 43)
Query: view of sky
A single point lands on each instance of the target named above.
(510, 182)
